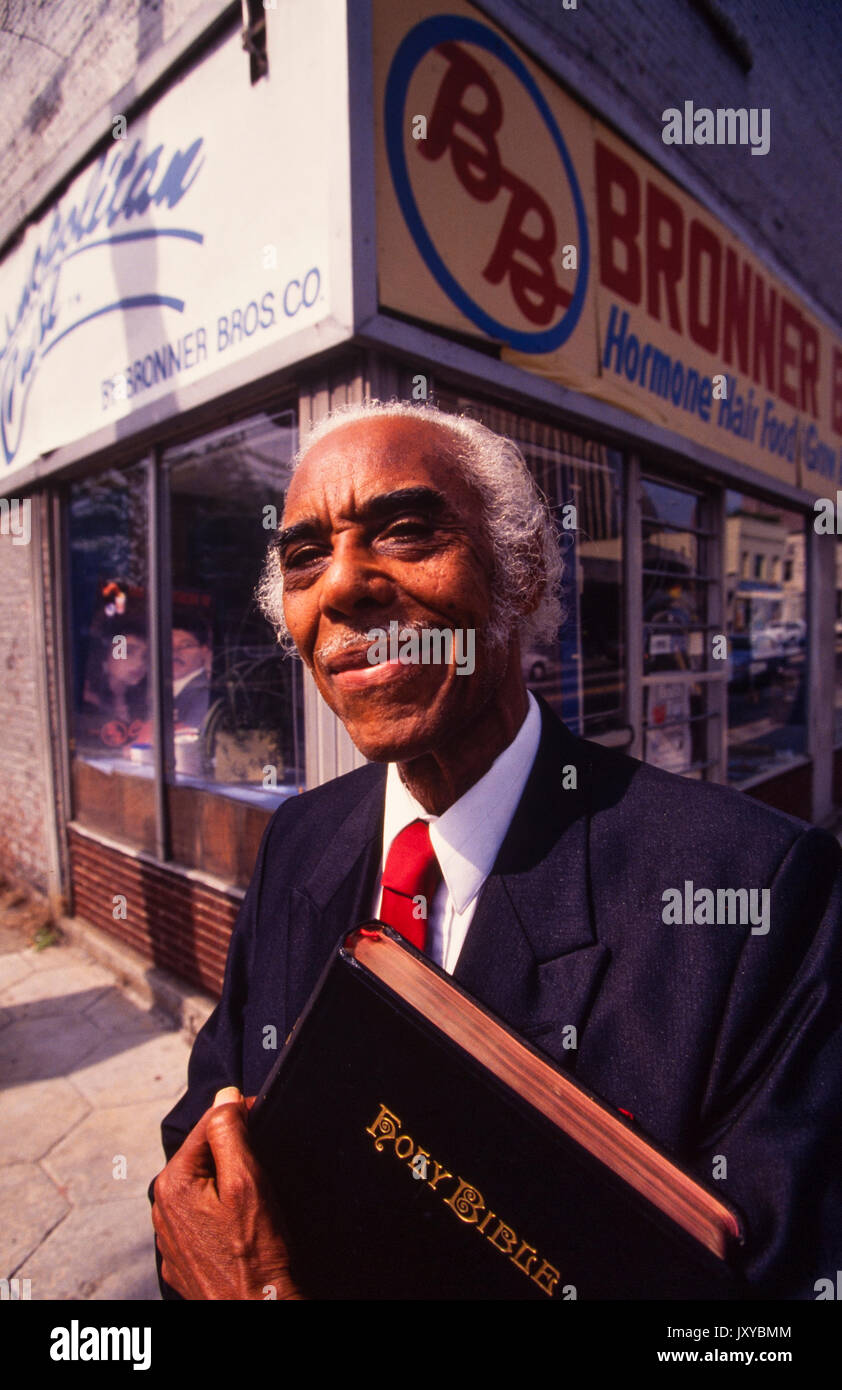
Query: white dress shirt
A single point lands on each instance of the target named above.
(466, 838)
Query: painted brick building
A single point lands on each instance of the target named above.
(266, 239)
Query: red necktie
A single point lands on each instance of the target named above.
(411, 870)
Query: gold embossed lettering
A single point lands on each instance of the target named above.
(440, 1173)
(546, 1278)
(384, 1128)
(533, 1254)
(504, 1232)
(466, 1202)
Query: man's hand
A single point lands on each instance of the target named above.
(215, 1216)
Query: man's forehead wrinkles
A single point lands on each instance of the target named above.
(370, 508)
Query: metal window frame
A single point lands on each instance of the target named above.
(158, 553)
(60, 594)
(159, 619)
(254, 38)
(711, 535)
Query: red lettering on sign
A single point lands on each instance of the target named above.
(664, 259)
(788, 352)
(735, 312)
(809, 368)
(535, 290)
(618, 228)
(764, 332)
(522, 255)
(478, 170)
(704, 327)
(735, 316)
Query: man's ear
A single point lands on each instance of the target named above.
(531, 598)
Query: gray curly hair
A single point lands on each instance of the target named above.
(518, 524)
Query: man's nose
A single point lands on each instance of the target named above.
(353, 580)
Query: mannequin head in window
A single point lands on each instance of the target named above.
(119, 665)
(191, 646)
(126, 663)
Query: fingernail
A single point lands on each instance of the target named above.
(226, 1095)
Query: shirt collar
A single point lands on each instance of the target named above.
(468, 835)
(179, 685)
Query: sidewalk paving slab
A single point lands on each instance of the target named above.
(88, 1069)
(37, 1049)
(86, 1164)
(152, 1068)
(33, 1118)
(97, 1252)
(59, 990)
(32, 1206)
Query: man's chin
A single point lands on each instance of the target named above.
(385, 745)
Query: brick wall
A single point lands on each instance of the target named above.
(59, 62)
(23, 790)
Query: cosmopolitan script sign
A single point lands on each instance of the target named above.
(170, 256)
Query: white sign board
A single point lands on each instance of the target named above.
(201, 236)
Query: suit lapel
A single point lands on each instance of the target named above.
(531, 953)
(337, 896)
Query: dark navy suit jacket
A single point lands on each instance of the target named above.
(722, 1042)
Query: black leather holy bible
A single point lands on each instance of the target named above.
(420, 1150)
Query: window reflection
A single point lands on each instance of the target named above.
(767, 636)
(112, 704)
(676, 582)
(112, 700)
(192, 661)
(581, 675)
(237, 702)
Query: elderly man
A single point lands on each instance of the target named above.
(546, 861)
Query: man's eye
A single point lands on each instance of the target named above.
(409, 527)
(297, 559)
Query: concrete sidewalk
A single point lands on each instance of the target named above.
(87, 1071)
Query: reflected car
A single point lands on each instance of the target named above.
(788, 634)
(753, 658)
(538, 666)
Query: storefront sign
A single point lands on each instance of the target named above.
(507, 212)
(199, 237)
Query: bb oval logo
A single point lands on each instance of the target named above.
(474, 191)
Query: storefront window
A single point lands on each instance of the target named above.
(111, 703)
(767, 637)
(237, 719)
(581, 675)
(234, 740)
(237, 702)
(676, 582)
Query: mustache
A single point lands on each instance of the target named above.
(357, 639)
